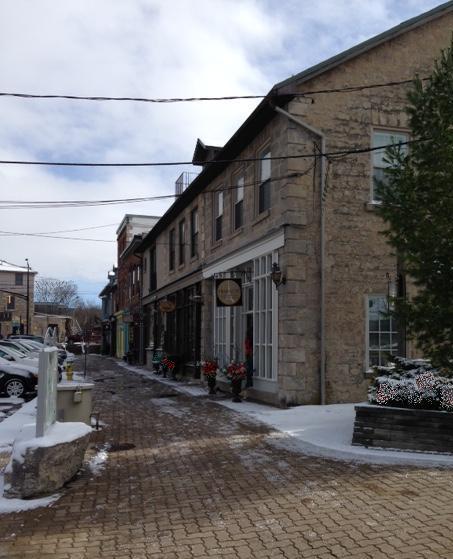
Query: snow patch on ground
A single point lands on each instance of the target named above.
(326, 431)
(15, 505)
(168, 405)
(58, 433)
(98, 462)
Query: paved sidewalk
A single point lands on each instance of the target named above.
(202, 481)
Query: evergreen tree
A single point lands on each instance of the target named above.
(417, 205)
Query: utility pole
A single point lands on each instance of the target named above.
(28, 296)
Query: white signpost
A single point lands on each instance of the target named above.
(47, 390)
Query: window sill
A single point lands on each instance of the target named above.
(372, 206)
(370, 374)
(193, 258)
(216, 244)
(237, 232)
(261, 217)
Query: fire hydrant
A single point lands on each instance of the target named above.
(69, 371)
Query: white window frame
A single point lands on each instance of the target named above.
(219, 208)
(264, 157)
(225, 349)
(238, 198)
(391, 331)
(403, 134)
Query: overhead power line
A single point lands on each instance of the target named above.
(50, 204)
(163, 100)
(14, 234)
(345, 151)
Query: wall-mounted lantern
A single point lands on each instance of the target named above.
(277, 275)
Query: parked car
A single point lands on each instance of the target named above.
(25, 337)
(27, 367)
(12, 354)
(15, 381)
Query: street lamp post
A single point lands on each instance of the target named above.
(28, 296)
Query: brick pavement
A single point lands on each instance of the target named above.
(203, 481)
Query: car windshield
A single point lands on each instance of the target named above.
(14, 347)
(26, 346)
(14, 351)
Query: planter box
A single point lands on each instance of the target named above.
(403, 429)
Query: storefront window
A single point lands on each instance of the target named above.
(254, 319)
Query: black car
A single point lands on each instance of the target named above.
(16, 382)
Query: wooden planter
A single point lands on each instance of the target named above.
(403, 429)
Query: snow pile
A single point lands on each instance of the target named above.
(16, 505)
(98, 462)
(326, 431)
(58, 433)
(412, 383)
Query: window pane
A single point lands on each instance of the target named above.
(219, 203)
(374, 341)
(238, 215)
(240, 189)
(264, 202)
(374, 358)
(265, 164)
(385, 341)
(269, 362)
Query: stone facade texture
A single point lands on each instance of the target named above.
(357, 258)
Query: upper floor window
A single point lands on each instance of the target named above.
(383, 138)
(182, 241)
(218, 214)
(382, 332)
(194, 232)
(152, 269)
(264, 192)
(10, 302)
(238, 197)
(19, 278)
(171, 250)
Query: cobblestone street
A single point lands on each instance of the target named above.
(186, 478)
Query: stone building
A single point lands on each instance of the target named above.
(296, 230)
(16, 299)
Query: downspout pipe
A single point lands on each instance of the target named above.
(322, 224)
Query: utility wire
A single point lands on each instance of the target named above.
(164, 100)
(13, 234)
(355, 151)
(50, 204)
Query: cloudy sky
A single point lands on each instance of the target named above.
(141, 48)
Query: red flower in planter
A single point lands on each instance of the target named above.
(209, 368)
(236, 371)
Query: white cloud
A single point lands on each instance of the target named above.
(151, 48)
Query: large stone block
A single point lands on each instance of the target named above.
(41, 466)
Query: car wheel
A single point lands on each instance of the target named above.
(15, 388)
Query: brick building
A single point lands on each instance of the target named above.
(127, 322)
(16, 301)
(309, 220)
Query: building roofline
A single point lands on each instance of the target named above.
(363, 47)
(127, 217)
(280, 94)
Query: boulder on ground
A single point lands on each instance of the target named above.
(42, 465)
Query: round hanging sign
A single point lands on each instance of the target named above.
(166, 305)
